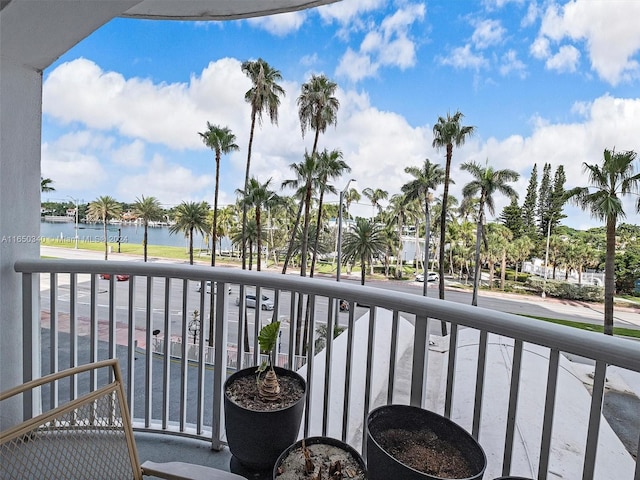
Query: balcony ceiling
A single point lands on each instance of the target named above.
(35, 33)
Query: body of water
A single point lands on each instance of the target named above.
(90, 232)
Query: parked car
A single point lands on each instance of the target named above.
(431, 277)
(265, 304)
(119, 277)
(208, 288)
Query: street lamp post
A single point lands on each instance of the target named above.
(75, 200)
(339, 253)
(546, 261)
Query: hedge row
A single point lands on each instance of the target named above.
(570, 291)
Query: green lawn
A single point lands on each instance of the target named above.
(623, 332)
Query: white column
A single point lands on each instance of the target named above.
(20, 122)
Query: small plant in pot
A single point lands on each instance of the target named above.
(320, 458)
(263, 408)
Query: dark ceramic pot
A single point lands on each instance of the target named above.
(323, 441)
(383, 466)
(257, 438)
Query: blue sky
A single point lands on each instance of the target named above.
(541, 81)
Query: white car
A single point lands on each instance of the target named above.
(265, 304)
(431, 277)
(208, 288)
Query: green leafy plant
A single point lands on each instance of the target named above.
(268, 386)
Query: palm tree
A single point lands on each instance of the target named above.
(264, 95)
(519, 250)
(317, 106)
(220, 140)
(149, 210)
(104, 208)
(374, 196)
(46, 185)
(425, 180)
(352, 195)
(259, 197)
(330, 166)
(363, 243)
(305, 182)
(190, 217)
(447, 133)
(486, 182)
(396, 216)
(610, 181)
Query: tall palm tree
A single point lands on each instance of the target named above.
(149, 210)
(46, 185)
(263, 96)
(259, 197)
(317, 106)
(610, 181)
(305, 182)
(352, 195)
(104, 208)
(425, 180)
(485, 184)
(447, 133)
(396, 215)
(363, 243)
(190, 217)
(220, 140)
(330, 166)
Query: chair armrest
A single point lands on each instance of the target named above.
(186, 471)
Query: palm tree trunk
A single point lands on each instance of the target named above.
(106, 245)
(145, 240)
(259, 229)
(477, 272)
(443, 220)
(287, 258)
(305, 232)
(427, 234)
(214, 230)
(191, 246)
(503, 269)
(363, 270)
(316, 240)
(246, 185)
(609, 275)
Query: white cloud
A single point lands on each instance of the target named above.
(463, 57)
(511, 63)
(487, 33)
(170, 183)
(170, 114)
(131, 155)
(345, 12)
(566, 60)
(609, 31)
(540, 48)
(281, 24)
(71, 168)
(388, 45)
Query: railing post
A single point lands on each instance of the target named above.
(420, 359)
(220, 362)
(31, 340)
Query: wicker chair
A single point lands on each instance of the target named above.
(90, 437)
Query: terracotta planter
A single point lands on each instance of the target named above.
(257, 438)
(309, 442)
(382, 465)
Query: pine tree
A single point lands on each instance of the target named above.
(529, 205)
(557, 197)
(511, 217)
(544, 199)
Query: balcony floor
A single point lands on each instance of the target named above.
(164, 448)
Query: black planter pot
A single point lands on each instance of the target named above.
(383, 466)
(257, 438)
(323, 441)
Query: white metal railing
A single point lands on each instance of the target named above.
(91, 318)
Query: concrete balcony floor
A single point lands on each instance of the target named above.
(165, 448)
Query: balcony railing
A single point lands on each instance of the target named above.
(505, 378)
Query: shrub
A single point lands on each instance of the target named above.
(569, 291)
